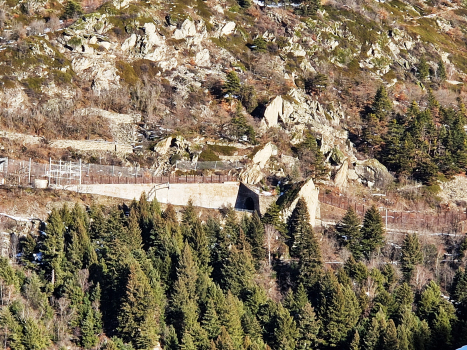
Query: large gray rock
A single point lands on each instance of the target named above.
(251, 175)
(262, 156)
(371, 172)
(162, 147)
(187, 29)
(273, 111)
(340, 179)
(228, 28)
(202, 58)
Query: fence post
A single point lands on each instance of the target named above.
(29, 174)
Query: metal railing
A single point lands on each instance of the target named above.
(439, 221)
(23, 173)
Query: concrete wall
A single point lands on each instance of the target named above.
(202, 194)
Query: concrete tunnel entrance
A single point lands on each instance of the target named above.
(249, 204)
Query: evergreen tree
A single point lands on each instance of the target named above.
(441, 71)
(299, 226)
(210, 321)
(372, 231)
(423, 69)
(285, 332)
(441, 330)
(310, 263)
(312, 161)
(137, 316)
(308, 326)
(232, 84)
(390, 341)
(411, 254)
(339, 310)
(374, 334)
(88, 336)
(382, 105)
(224, 342)
(255, 235)
(349, 231)
(53, 246)
(133, 238)
(34, 336)
(272, 217)
(355, 344)
(237, 270)
(230, 317)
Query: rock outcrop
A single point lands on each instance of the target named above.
(373, 173)
(273, 111)
(262, 156)
(162, 147)
(340, 179)
(251, 175)
(309, 193)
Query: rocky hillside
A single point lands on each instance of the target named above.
(315, 86)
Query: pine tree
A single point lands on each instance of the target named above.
(377, 327)
(183, 310)
(255, 235)
(299, 226)
(285, 332)
(237, 270)
(133, 238)
(312, 161)
(441, 330)
(88, 336)
(230, 317)
(423, 69)
(441, 71)
(339, 310)
(382, 105)
(310, 259)
(232, 84)
(308, 326)
(34, 336)
(411, 254)
(390, 341)
(137, 316)
(210, 321)
(372, 231)
(224, 342)
(13, 330)
(349, 231)
(187, 342)
(53, 246)
(355, 343)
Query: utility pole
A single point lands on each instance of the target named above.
(29, 173)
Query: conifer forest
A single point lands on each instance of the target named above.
(137, 277)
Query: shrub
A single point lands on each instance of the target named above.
(259, 44)
(72, 9)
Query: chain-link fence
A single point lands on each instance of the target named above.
(205, 165)
(23, 173)
(441, 221)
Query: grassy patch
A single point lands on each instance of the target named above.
(126, 72)
(223, 150)
(146, 67)
(208, 155)
(34, 83)
(62, 78)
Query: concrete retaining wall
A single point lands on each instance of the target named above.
(203, 194)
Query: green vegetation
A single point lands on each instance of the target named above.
(72, 9)
(126, 72)
(208, 155)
